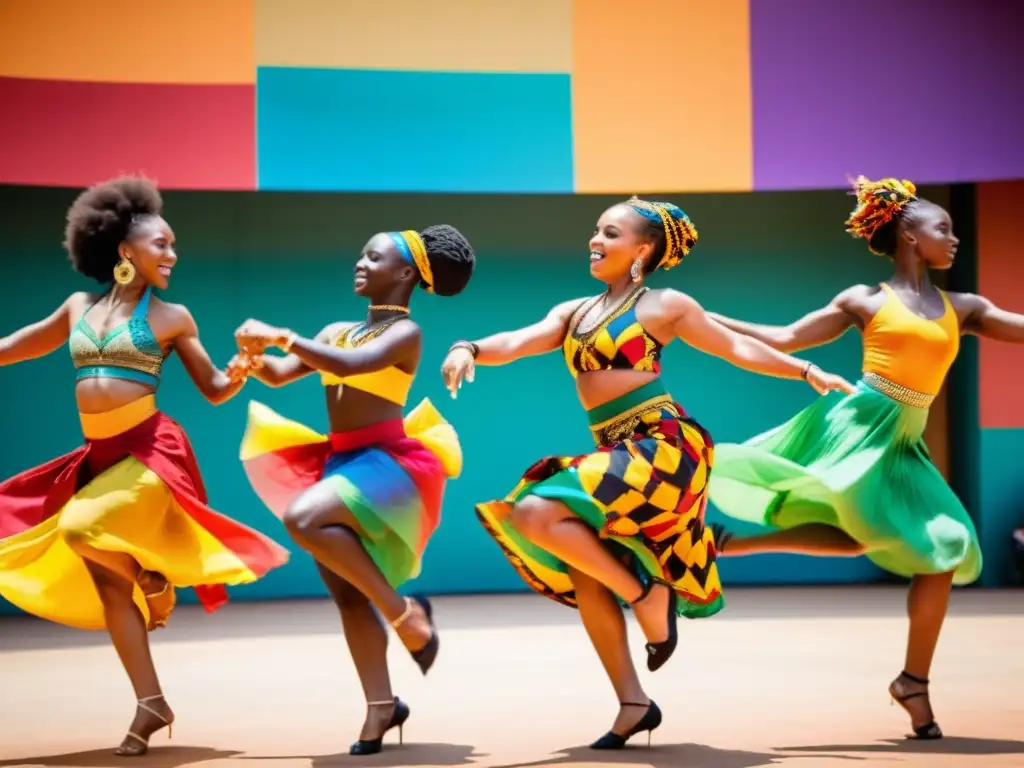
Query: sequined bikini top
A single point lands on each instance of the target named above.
(129, 351)
(390, 383)
(618, 341)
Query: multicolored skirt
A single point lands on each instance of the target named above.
(133, 488)
(644, 491)
(858, 463)
(391, 476)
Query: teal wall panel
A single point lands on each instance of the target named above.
(394, 131)
(1002, 501)
(287, 258)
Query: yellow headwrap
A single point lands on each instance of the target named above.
(411, 246)
(680, 233)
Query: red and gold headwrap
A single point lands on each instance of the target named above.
(411, 246)
(878, 203)
(680, 233)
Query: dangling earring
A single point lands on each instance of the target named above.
(124, 272)
(636, 272)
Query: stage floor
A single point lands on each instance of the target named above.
(791, 677)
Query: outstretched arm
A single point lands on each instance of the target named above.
(693, 325)
(985, 319)
(812, 330)
(39, 339)
(397, 344)
(215, 385)
(543, 336)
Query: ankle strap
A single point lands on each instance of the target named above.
(388, 703)
(914, 678)
(405, 614)
(152, 698)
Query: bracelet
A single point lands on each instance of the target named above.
(474, 350)
(292, 336)
(807, 370)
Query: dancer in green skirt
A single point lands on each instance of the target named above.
(850, 475)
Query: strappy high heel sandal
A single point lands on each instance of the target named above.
(929, 730)
(160, 603)
(398, 718)
(659, 653)
(426, 655)
(143, 741)
(650, 721)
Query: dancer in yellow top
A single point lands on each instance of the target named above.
(365, 499)
(99, 538)
(851, 475)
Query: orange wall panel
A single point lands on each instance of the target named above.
(185, 42)
(662, 97)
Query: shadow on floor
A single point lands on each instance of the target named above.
(157, 757)
(667, 756)
(392, 756)
(950, 745)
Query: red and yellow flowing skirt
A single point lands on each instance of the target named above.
(644, 491)
(391, 476)
(134, 488)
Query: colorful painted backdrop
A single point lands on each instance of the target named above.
(512, 96)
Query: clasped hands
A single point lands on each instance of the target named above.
(253, 337)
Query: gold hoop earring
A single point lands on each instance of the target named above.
(124, 272)
(636, 271)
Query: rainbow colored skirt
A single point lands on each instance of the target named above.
(391, 476)
(644, 491)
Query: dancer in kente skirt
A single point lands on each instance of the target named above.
(100, 537)
(365, 499)
(626, 520)
(851, 475)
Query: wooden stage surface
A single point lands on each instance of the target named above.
(793, 677)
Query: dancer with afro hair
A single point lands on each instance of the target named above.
(101, 537)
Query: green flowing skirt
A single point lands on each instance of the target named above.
(858, 463)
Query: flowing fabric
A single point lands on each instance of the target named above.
(391, 476)
(134, 487)
(858, 463)
(644, 491)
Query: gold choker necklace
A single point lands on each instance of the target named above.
(389, 308)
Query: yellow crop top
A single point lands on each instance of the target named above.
(909, 350)
(391, 383)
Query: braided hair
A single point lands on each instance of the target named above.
(882, 208)
(104, 216)
(669, 228)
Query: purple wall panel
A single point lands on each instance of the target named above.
(930, 90)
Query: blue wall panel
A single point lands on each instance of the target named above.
(341, 130)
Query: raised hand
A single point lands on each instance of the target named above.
(458, 366)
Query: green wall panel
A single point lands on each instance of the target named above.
(287, 258)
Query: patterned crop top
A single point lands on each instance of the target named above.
(618, 342)
(391, 383)
(129, 351)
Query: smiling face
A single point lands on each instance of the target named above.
(930, 230)
(619, 240)
(150, 248)
(381, 268)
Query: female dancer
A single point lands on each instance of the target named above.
(100, 537)
(365, 500)
(628, 519)
(853, 476)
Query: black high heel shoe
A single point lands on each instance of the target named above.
(659, 653)
(650, 721)
(398, 718)
(426, 655)
(929, 730)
